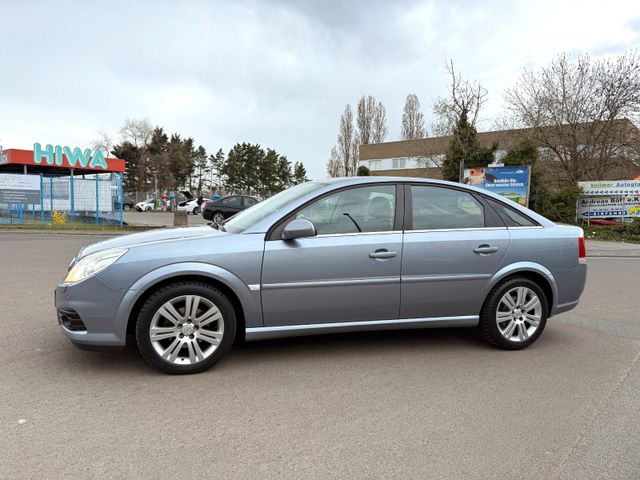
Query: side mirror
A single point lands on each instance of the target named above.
(298, 228)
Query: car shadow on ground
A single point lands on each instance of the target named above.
(361, 345)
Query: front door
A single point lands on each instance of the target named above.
(451, 249)
(349, 272)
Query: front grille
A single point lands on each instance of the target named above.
(70, 320)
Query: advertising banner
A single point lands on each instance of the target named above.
(24, 189)
(603, 207)
(608, 188)
(510, 182)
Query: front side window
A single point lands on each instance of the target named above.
(436, 208)
(362, 209)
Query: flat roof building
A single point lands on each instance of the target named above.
(423, 157)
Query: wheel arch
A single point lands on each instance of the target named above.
(534, 272)
(245, 303)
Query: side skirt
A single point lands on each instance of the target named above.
(263, 333)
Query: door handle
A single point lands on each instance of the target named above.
(382, 253)
(485, 249)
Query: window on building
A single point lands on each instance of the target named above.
(399, 163)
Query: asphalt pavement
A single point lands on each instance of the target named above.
(411, 404)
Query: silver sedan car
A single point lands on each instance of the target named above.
(349, 254)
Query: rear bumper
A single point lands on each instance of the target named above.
(92, 306)
(570, 287)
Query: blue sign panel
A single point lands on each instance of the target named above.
(510, 182)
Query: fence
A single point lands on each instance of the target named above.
(87, 199)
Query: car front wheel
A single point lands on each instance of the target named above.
(185, 327)
(514, 314)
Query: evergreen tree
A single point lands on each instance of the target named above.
(299, 173)
(464, 146)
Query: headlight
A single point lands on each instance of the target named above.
(93, 263)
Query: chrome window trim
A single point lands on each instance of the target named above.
(525, 227)
(455, 229)
(382, 232)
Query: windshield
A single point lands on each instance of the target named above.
(243, 220)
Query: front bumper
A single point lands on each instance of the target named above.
(91, 304)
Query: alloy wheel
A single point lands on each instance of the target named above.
(519, 314)
(186, 329)
(218, 218)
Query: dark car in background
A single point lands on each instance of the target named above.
(127, 203)
(219, 210)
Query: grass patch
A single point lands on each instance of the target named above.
(68, 227)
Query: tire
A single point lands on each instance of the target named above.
(503, 321)
(126, 207)
(147, 209)
(218, 217)
(196, 210)
(185, 347)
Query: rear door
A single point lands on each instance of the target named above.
(453, 243)
(233, 205)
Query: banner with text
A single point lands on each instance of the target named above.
(510, 182)
(24, 189)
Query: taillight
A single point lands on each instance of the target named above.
(582, 250)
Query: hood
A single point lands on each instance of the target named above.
(151, 236)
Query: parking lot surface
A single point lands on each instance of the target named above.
(157, 219)
(412, 404)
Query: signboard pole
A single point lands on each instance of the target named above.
(97, 202)
(71, 197)
(41, 204)
(121, 199)
(528, 187)
(51, 196)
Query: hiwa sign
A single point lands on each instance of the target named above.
(65, 157)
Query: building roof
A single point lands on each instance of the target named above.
(506, 139)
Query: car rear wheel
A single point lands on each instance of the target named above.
(196, 210)
(514, 314)
(185, 327)
(126, 207)
(147, 209)
(218, 217)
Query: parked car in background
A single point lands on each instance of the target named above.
(219, 210)
(190, 205)
(146, 205)
(342, 255)
(127, 203)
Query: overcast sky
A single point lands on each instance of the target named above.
(274, 73)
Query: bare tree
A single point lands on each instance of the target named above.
(334, 165)
(464, 95)
(104, 143)
(379, 124)
(365, 118)
(579, 110)
(412, 119)
(346, 139)
(137, 131)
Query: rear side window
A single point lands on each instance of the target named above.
(509, 216)
(436, 208)
(250, 201)
(235, 202)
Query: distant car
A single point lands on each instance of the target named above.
(219, 210)
(146, 205)
(190, 205)
(127, 203)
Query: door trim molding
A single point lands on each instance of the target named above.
(263, 333)
(333, 283)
